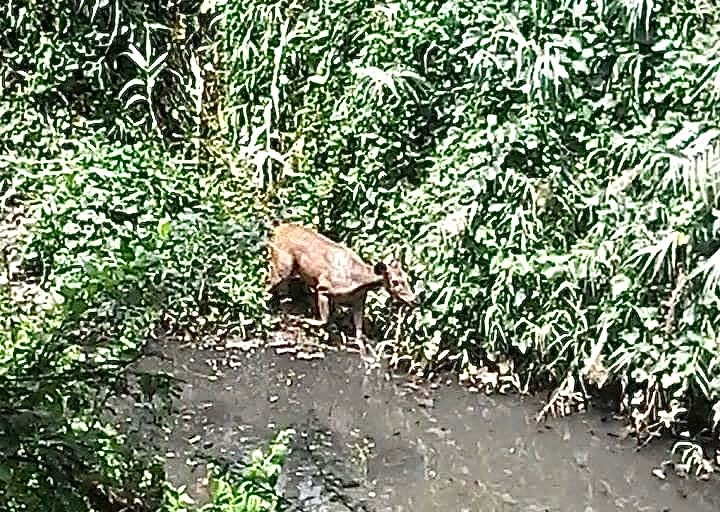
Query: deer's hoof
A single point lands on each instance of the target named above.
(360, 342)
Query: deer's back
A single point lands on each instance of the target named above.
(315, 255)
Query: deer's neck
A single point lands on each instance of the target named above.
(374, 283)
(364, 276)
(363, 280)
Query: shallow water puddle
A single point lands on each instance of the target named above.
(369, 441)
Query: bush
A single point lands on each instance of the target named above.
(105, 230)
(60, 450)
(251, 489)
(550, 172)
(141, 232)
(120, 235)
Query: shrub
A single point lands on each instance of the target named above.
(250, 489)
(103, 229)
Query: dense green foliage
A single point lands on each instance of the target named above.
(548, 167)
(105, 232)
(251, 489)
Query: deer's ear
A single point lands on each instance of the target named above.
(380, 268)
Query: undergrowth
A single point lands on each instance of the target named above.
(252, 488)
(115, 225)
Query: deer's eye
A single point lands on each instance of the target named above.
(394, 282)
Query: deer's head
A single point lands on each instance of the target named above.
(396, 280)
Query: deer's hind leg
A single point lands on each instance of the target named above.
(322, 304)
(357, 314)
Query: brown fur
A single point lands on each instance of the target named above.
(332, 271)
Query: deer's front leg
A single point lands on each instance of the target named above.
(357, 312)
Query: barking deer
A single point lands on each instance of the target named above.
(334, 272)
